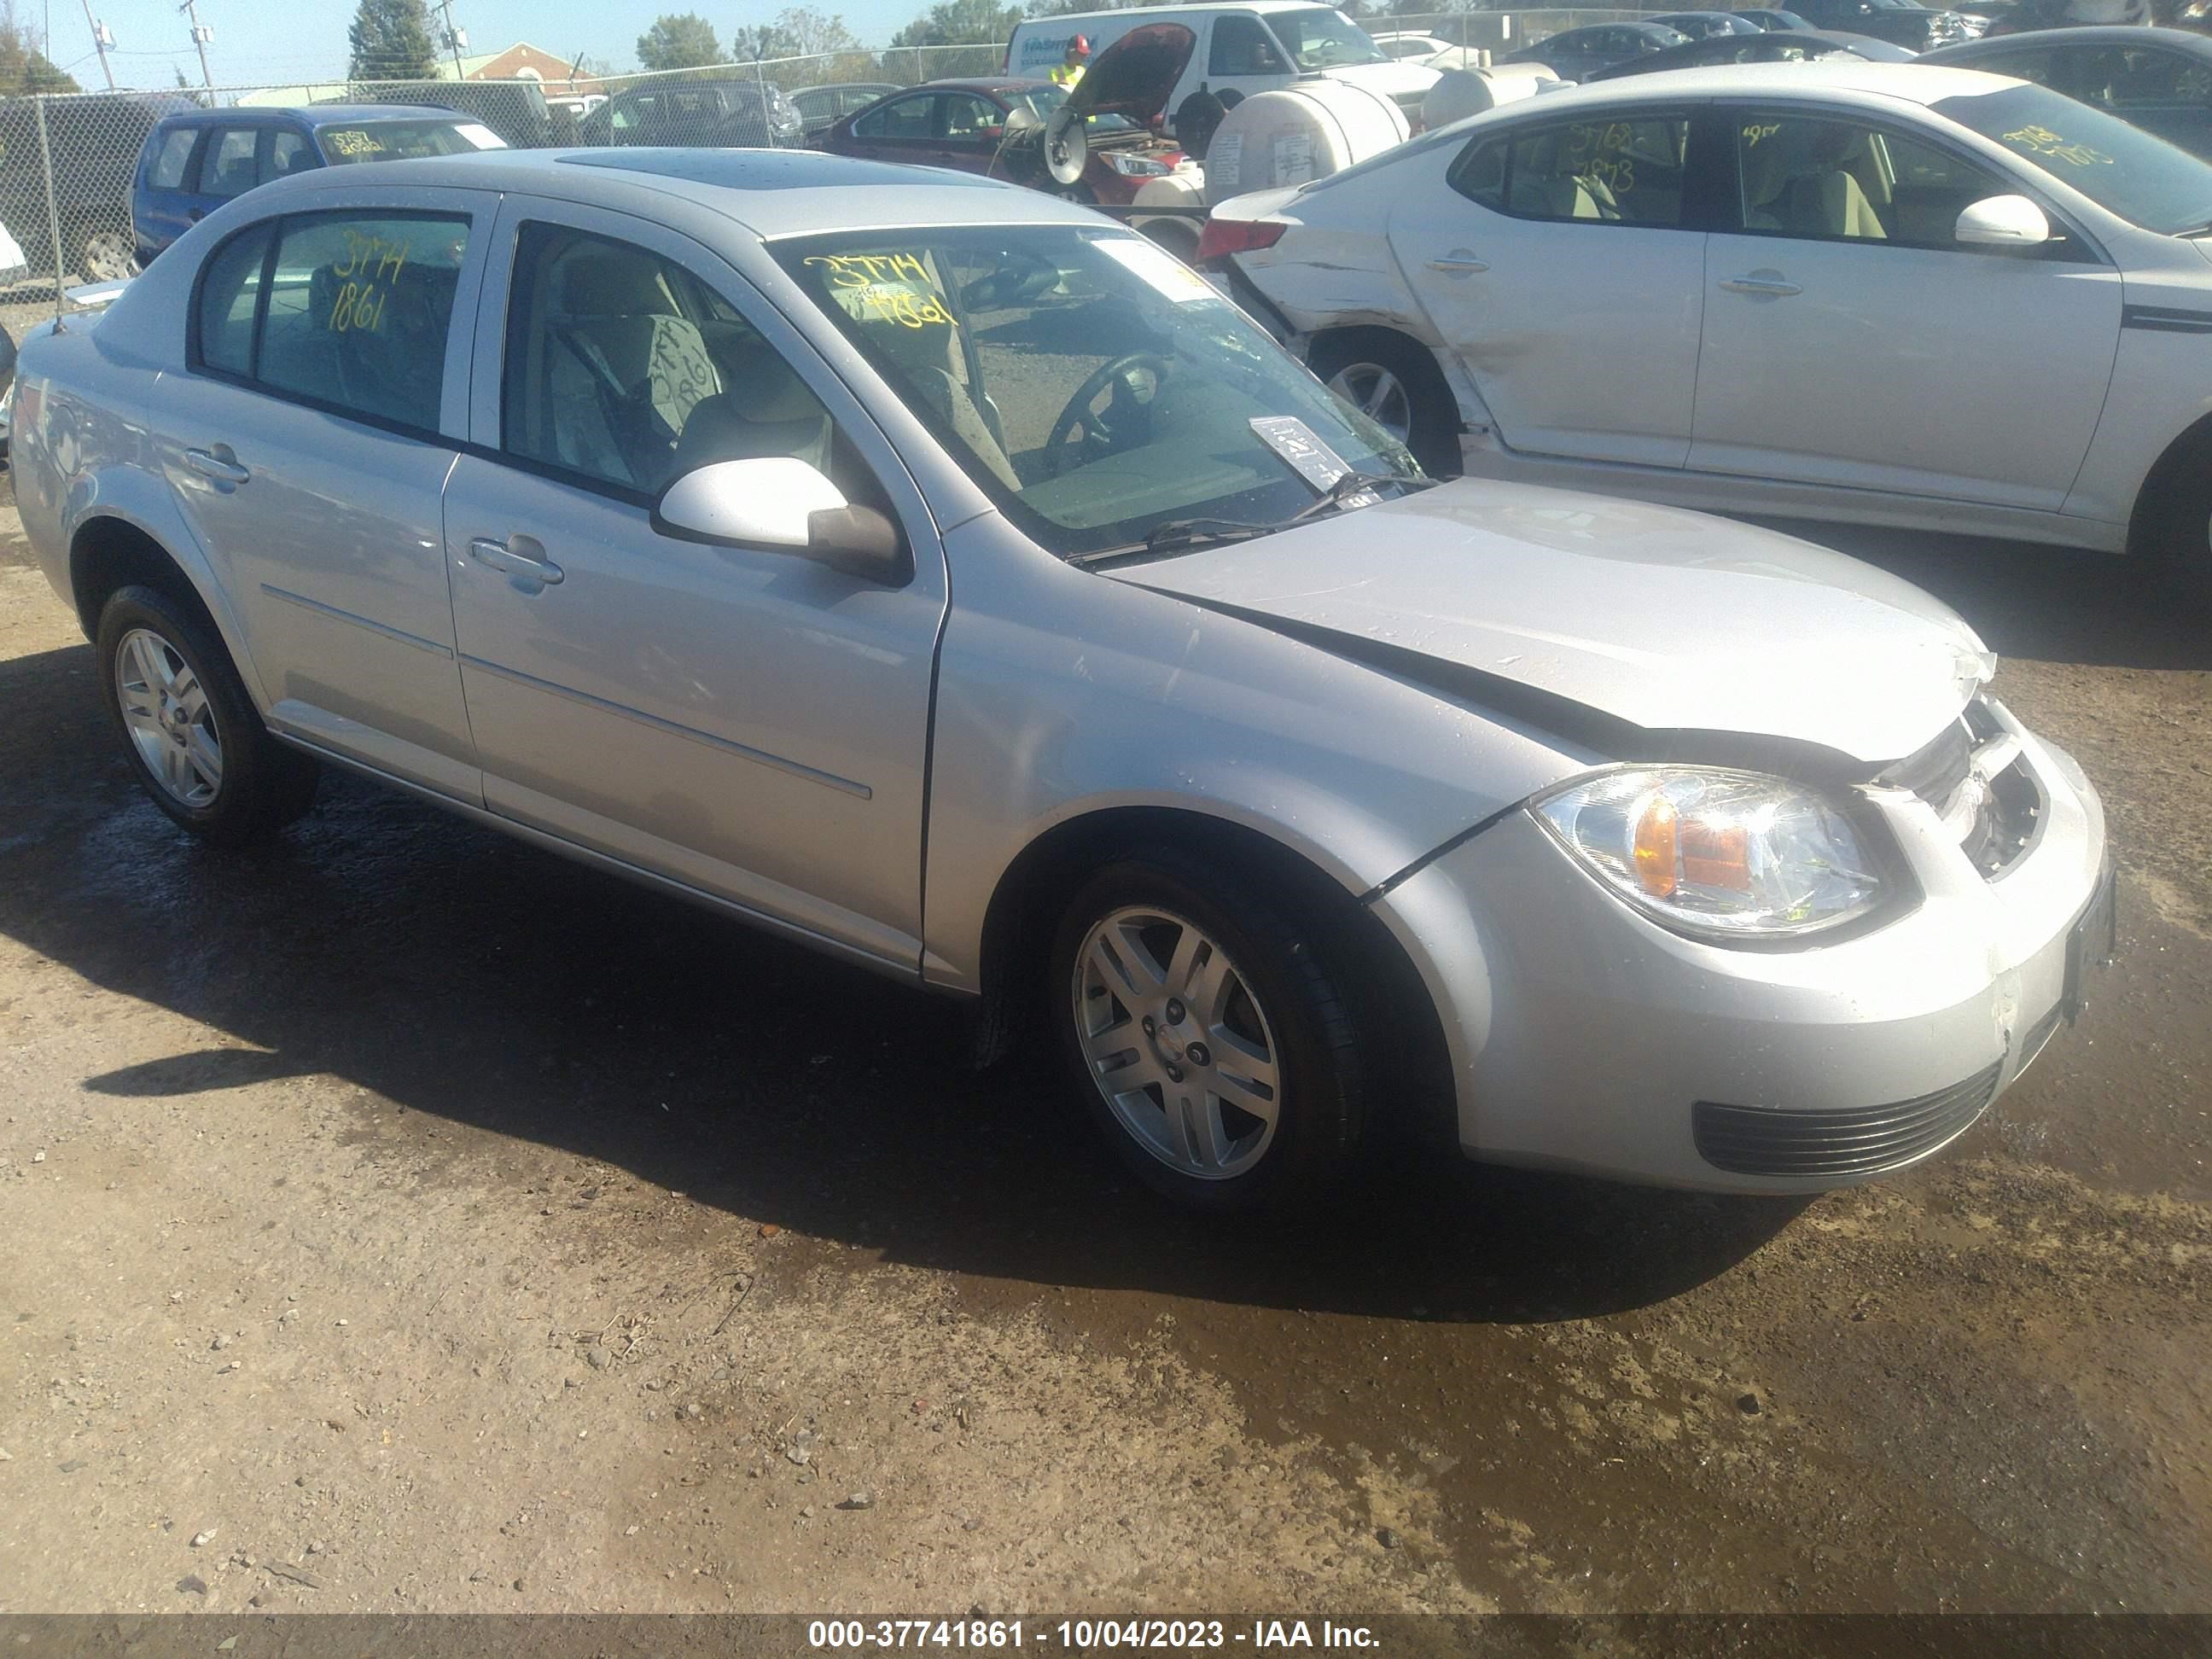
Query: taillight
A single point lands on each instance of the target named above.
(1222, 237)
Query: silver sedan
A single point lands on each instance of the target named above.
(940, 575)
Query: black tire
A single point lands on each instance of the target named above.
(2177, 526)
(1294, 974)
(1433, 435)
(263, 784)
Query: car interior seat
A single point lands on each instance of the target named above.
(632, 369)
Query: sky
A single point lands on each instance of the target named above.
(278, 41)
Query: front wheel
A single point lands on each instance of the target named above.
(2180, 526)
(193, 734)
(1206, 1029)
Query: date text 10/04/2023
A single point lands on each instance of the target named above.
(1088, 1634)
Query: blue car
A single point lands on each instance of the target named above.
(194, 162)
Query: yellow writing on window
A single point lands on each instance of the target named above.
(881, 286)
(353, 143)
(2042, 141)
(371, 266)
(1753, 135)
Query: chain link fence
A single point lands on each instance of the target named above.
(68, 163)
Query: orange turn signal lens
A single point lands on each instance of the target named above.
(1654, 847)
(1717, 855)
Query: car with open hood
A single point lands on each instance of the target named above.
(938, 574)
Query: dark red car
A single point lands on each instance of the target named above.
(963, 125)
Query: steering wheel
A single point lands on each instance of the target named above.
(1079, 415)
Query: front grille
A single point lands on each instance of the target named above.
(1860, 1140)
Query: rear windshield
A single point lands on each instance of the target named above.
(2123, 169)
(405, 141)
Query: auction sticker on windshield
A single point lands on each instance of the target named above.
(1312, 459)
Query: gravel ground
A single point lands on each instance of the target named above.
(396, 1218)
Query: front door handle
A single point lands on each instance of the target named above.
(1460, 262)
(521, 558)
(1772, 287)
(217, 464)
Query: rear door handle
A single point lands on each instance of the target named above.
(1460, 262)
(519, 556)
(1773, 287)
(221, 468)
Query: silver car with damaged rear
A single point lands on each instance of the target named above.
(941, 575)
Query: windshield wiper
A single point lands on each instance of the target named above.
(1179, 534)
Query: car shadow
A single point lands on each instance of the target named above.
(2043, 604)
(457, 973)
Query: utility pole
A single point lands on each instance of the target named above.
(201, 36)
(455, 39)
(101, 40)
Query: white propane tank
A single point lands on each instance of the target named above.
(1297, 133)
(1459, 94)
(1184, 188)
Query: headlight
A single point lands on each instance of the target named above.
(1137, 167)
(1737, 853)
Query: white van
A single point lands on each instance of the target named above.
(1252, 46)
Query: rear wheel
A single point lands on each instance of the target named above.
(1397, 385)
(2179, 527)
(191, 731)
(1203, 1023)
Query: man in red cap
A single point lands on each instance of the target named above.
(1069, 70)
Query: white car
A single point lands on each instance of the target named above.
(1883, 293)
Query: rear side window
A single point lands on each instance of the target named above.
(290, 152)
(1625, 171)
(175, 149)
(227, 169)
(354, 316)
(230, 300)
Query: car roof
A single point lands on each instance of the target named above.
(769, 192)
(1841, 72)
(2100, 34)
(983, 83)
(318, 115)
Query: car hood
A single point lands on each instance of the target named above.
(1646, 632)
(1136, 76)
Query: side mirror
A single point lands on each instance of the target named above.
(782, 504)
(2008, 221)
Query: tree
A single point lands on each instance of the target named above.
(960, 23)
(391, 41)
(23, 67)
(811, 34)
(674, 42)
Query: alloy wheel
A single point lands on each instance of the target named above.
(1378, 394)
(1177, 1043)
(166, 713)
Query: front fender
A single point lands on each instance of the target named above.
(1063, 694)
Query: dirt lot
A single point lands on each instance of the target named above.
(399, 1219)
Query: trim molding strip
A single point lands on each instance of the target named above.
(2166, 319)
(760, 757)
(336, 615)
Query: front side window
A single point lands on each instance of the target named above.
(1322, 38)
(1088, 382)
(1242, 46)
(229, 167)
(624, 369)
(2133, 81)
(1834, 179)
(905, 121)
(290, 152)
(167, 172)
(1623, 171)
(969, 119)
(350, 311)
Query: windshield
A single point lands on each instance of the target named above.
(2123, 169)
(405, 141)
(1323, 38)
(1092, 384)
